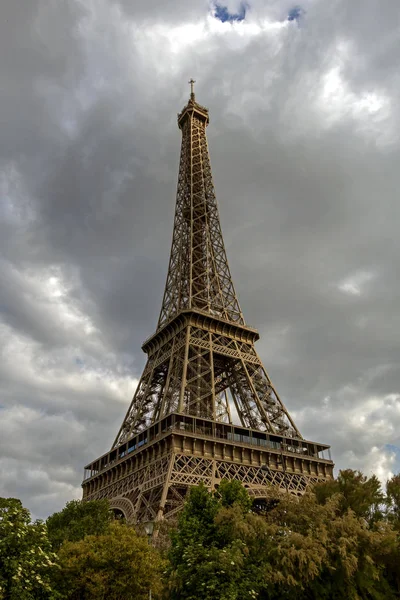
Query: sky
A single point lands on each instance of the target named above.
(304, 142)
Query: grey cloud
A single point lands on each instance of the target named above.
(170, 11)
(307, 187)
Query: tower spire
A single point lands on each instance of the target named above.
(192, 82)
(198, 275)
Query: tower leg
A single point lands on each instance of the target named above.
(167, 484)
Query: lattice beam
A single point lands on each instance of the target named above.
(158, 489)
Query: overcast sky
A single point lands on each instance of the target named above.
(304, 142)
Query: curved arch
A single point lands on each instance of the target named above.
(125, 506)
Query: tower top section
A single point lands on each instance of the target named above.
(198, 277)
(193, 109)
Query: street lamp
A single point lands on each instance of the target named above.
(149, 529)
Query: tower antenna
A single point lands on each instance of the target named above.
(192, 82)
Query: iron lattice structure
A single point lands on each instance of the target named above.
(202, 375)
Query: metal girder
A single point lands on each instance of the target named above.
(158, 489)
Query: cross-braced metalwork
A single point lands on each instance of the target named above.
(202, 364)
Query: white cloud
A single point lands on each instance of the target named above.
(355, 284)
(377, 461)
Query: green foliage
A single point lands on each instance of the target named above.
(196, 521)
(362, 495)
(393, 500)
(116, 565)
(232, 492)
(329, 545)
(325, 553)
(392, 559)
(26, 560)
(340, 542)
(207, 559)
(77, 520)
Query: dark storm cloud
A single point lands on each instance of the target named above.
(304, 148)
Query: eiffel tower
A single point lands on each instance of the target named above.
(205, 408)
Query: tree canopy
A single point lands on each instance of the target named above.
(78, 519)
(334, 543)
(116, 565)
(358, 493)
(27, 562)
(339, 541)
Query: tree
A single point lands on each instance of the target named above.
(319, 548)
(335, 555)
(78, 519)
(207, 560)
(310, 548)
(393, 500)
(362, 495)
(26, 561)
(393, 516)
(232, 493)
(116, 565)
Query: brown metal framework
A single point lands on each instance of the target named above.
(203, 367)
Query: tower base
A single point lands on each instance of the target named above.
(147, 477)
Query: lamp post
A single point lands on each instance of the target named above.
(149, 529)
